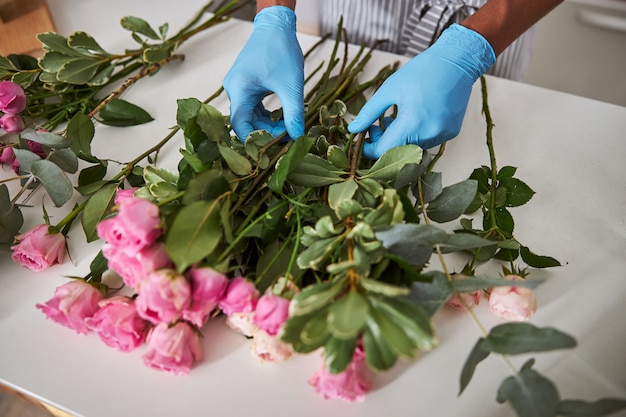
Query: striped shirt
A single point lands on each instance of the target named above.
(410, 26)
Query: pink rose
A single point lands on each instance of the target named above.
(241, 297)
(37, 249)
(207, 288)
(12, 97)
(459, 300)
(271, 312)
(12, 123)
(136, 226)
(117, 323)
(134, 268)
(7, 156)
(163, 296)
(173, 349)
(269, 348)
(72, 304)
(351, 385)
(513, 303)
(124, 195)
(243, 323)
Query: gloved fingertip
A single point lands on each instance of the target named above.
(369, 151)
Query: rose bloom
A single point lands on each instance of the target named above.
(7, 156)
(134, 268)
(37, 249)
(271, 312)
(269, 348)
(513, 303)
(470, 299)
(207, 288)
(135, 226)
(12, 123)
(241, 297)
(72, 304)
(12, 97)
(173, 348)
(243, 323)
(117, 323)
(163, 296)
(351, 385)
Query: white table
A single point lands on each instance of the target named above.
(570, 150)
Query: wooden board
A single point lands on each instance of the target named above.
(20, 22)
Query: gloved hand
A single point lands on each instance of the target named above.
(431, 91)
(270, 61)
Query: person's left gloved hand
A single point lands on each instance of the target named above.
(431, 91)
(270, 62)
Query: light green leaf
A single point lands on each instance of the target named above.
(347, 315)
(187, 109)
(337, 157)
(315, 331)
(56, 43)
(159, 53)
(194, 234)
(54, 61)
(46, 138)
(452, 201)
(383, 288)
(103, 76)
(314, 297)
(339, 192)
(314, 171)
(318, 252)
(96, 209)
(530, 394)
(54, 180)
(378, 353)
(289, 162)
(118, 112)
(391, 162)
(25, 158)
(86, 43)
(79, 71)
(239, 164)
(338, 354)
(139, 25)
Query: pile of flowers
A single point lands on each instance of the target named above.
(302, 246)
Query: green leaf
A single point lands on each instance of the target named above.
(56, 43)
(391, 162)
(159, 53)
(516, 338)
(11, 219)
(102, 76)
(530, 394)
(537, 261)
(139, 25)
(394, 335)
(432, 186)
(120, 112)
(96, 209)
(293, 331)
(346, 316)
(92, 174)
(239, 164)
(452, 201)
(289, 162)
(314, 256)
(414, 242)
(464, 241)
(337, 157)
(315, 332)
(212, 123)
(477, 355)
(378, 353)
(382, 288)
(314, 171)
(186, 109)
(506, 172)
(81, 131)
(86, 43)
(603, 407)
(431, 296)
(46, 138)
(314, 297)
(341, 191)
(517, 192)
(64, 159)
(338, 354)
(25, 158)
(473, 283)
(410, 318)
(79, 71)
(194, 234)
(54, 180)
(53, 61)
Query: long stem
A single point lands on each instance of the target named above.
(492, 154)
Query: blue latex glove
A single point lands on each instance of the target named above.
(270, 61)
(431, 91)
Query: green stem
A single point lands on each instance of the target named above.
(492, 154)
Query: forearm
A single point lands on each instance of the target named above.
(261, 4)
(503, 21)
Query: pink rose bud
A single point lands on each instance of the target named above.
(37, 249)
(241, 297)
(163, 296)
(135, 267)
(12, 97)
(136, 226)
(36, 148)
(269, 348)
(350, 385)
(124, 195)
(117, 323)
(207, 288)
(173, 348)
(271, 312)
(459, 300)
(12, 123)
(72, 304)
(7, 156)
(513, 303)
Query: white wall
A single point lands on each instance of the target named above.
(308, 12)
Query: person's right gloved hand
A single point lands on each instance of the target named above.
(270, 62)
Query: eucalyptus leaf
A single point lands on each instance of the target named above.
(96, 209)
(432, 186)
(25, 158)
(52, 140)
(64, 159)
(194, 233)
(431, 296)
(474, 283)
(11, 219)
(477, 355)
(452, 201)
(603, 407)
(516, 338)
(530, 394)
(54, 180)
